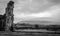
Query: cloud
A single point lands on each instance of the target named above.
(28, 9)
(52, 13)
(35, 6)
(54, 1)
(55, 10)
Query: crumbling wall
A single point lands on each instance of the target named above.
(9, 15)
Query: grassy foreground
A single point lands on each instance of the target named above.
(26, 34)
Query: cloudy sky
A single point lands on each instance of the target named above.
(34, 11)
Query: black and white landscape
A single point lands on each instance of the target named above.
(33, 17)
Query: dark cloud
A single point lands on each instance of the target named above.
(54, 1)
(36, 6)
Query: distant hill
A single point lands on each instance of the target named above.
(40, 22)
(45, 21)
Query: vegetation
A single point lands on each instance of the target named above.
(36, 26)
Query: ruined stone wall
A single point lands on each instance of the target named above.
(9, 14)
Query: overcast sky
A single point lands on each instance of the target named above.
(34, 10)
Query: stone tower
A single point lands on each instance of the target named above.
(9, 15)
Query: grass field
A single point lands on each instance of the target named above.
(26, 34)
